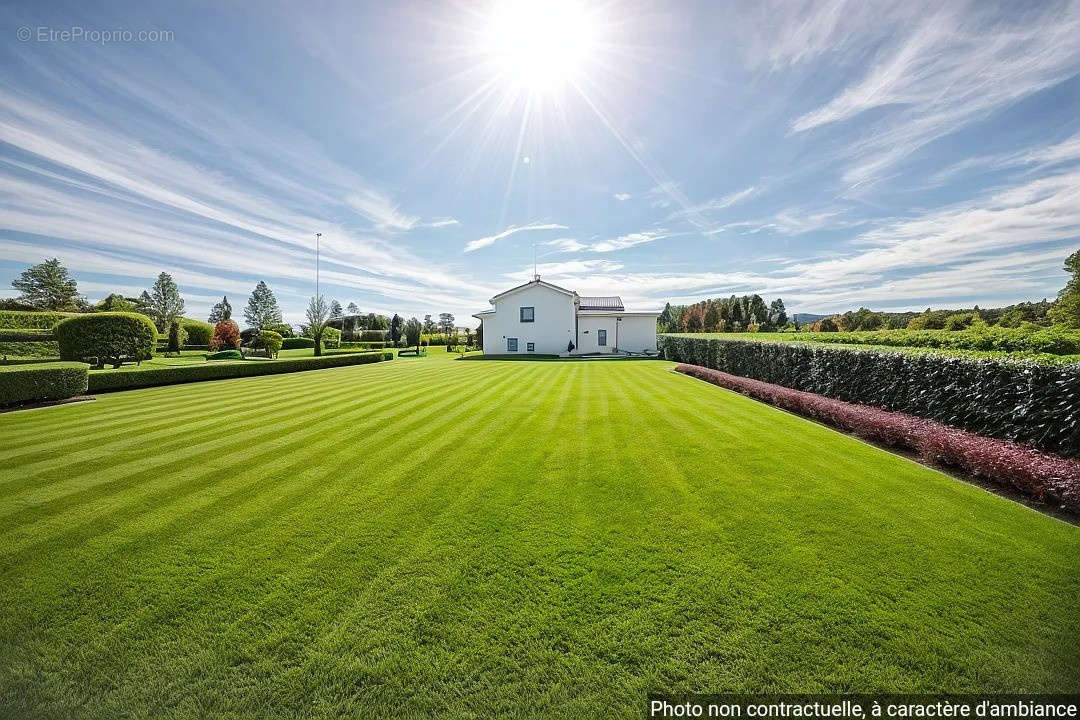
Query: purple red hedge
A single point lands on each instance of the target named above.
(1043, 476)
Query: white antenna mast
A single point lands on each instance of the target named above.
(535, 275)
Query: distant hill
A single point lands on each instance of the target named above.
(804, 318)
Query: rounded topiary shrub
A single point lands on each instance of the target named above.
(110, 337)
(297, 343)
(283, 329)
(198, 333)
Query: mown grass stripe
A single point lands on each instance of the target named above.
(450, 538)
(105, 482)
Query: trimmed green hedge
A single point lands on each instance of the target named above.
(363, 345)
(43, 350)
(45, 381)
(1009, 399)
(110, 337)
(226, 355)
(373, 336)
(198, 333)
(297, 343)
(1052, 341)
(30, 319)
(105, 380)
(26, 335)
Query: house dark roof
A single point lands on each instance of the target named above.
(612, 302)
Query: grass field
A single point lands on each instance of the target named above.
(431, 537)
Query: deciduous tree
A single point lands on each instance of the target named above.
(317, 313)
(1066, 311)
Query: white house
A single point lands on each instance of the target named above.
(544, 319)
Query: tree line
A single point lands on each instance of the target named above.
(49, 286)
(747, 313)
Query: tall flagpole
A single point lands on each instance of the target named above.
(317, 236)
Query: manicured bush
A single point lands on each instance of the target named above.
(283, 329)
(106, 380)
(272, 342)
(198, 333)
(26, 335)
(24, 320)
(177, 337)
(109, 337)
(45, 381)
(226, 355)
(331, 337)
(226, 336)
(373, 336)
(43, 350)
(1027, 402)
(296, 343)
(1040, 475)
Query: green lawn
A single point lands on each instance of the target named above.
(432, 537)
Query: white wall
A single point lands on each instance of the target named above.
(636, 333)
(587, 335)
(551, 330)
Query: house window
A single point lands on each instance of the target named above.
(601, 337)
(530, 347)
(511, 344)
(527, 314)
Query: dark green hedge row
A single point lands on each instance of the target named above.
(297, 343)
(45, 381)
(106, 380)
(1013, 400)
(27, 320)
(26, 335)
(1053, 341)
(198, 332)
(46, 349)
(363, 345)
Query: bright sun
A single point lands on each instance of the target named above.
(539, 45)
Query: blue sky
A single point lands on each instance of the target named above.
(835, 154)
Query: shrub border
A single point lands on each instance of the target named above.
(1025, 402)
(1036, 474)
(108, 380)
(31, 383)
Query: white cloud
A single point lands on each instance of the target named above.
(665, 195)
(492, 239)
(621, 197)
(377, 208)
(603, 246)
(948, 70)
(625, 241)
(443, 222)
(566, 245)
